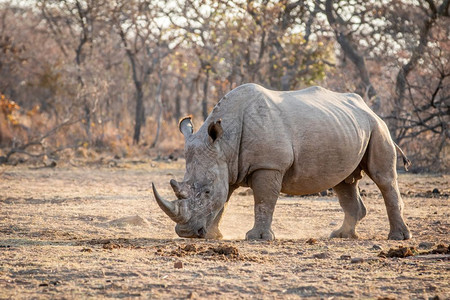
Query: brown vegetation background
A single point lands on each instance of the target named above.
(78, 78)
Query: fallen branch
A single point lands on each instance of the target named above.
(39, 142)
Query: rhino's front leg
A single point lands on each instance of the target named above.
(266, 186)
(214, 231)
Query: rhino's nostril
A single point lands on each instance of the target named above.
(201, 233)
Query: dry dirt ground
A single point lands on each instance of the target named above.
(95, 231)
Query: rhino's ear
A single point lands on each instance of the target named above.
(186, 127)
(215, 130)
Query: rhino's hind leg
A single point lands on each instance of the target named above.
(266, 186)
(353, 206)
(381, 167)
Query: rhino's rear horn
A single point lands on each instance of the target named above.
(175, 186)
(179, 192)
(170, 208)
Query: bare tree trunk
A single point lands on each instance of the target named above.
(205, 96)
(140, 113)
(87, 125)
(192, 90)
(1, 135)
(351, 52)
(178, 101)
(160, 111)
(84, 38)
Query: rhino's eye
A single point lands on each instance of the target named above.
(206, 192)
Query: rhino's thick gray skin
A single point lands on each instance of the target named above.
(297, 142)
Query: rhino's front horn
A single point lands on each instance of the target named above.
(170, 208)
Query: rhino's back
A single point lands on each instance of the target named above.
(315, 137)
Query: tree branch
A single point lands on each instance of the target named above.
(39, 141)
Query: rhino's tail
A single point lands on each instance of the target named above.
(406, 162)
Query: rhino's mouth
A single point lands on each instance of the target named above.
(182, 231)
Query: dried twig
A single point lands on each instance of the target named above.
(39, 142)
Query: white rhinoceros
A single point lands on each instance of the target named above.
(295, 142)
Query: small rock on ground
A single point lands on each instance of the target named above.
(357, 260)
(377, 247)
(426, 245)
(132, 220)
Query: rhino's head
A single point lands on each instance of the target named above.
(204, 190)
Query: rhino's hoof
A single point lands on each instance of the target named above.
(258, 234)
(400, 235)
(344, 234)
